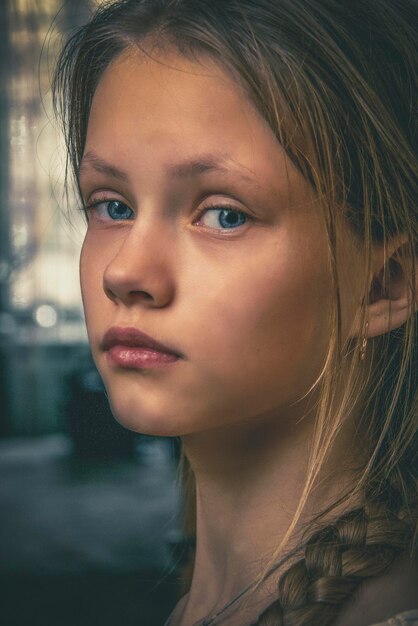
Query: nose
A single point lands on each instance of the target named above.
(141, 270)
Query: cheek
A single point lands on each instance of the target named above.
(267, 333)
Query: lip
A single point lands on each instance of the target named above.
(132, 337)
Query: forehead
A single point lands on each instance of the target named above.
(166, 104)
(168, 83)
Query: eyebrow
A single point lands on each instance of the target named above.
(90, 159)
(198, 166)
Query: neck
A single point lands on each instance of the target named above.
(249, 479)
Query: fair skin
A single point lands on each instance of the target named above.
(244, 306)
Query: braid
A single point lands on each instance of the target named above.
(357, 546)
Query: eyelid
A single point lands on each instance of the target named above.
(104, 196)
(95, 201)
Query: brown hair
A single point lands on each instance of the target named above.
(337, 83)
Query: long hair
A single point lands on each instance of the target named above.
(337, 83)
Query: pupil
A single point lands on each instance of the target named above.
(232, 218)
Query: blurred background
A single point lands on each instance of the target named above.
(89, 512)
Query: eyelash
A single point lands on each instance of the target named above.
(226, 207)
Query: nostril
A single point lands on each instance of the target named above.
(132, 295)
(140, 294)
(109, 293)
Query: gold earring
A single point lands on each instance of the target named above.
(364, 343)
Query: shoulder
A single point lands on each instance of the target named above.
(407, 618)
(389, 600)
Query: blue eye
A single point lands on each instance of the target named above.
(112, 209)
(223, 218)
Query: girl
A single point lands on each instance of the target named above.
(249, 277)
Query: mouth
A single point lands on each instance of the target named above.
(133, 349)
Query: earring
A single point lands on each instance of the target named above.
(364, 343)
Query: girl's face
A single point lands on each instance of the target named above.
(204, 236)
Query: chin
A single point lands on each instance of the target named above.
(146, 420)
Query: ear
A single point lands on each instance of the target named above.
(390, 296)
